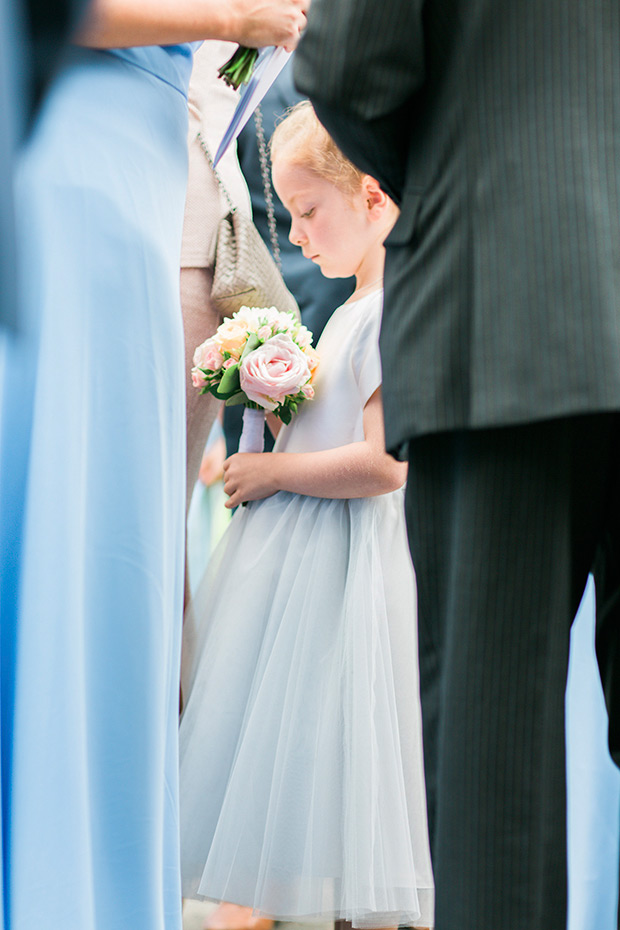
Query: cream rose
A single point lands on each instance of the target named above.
(273, 370)
(313, 361)
(231, 336)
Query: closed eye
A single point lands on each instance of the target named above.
(307, 214)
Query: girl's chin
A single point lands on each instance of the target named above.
(330, 272)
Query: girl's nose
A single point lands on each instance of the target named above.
(295, 235)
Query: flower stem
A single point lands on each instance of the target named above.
(238, 69)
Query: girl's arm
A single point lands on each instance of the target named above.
(359, 469)
(122, 23)
(274, 424)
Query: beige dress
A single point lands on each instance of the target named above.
(211, 106)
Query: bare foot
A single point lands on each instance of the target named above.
(234, 917)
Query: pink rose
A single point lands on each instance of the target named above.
(308, 391)
(198, 379)
(273, 370)
(229, 362)
(208, 355)
(264, 333)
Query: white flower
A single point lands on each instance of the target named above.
(249, 317)
(303, 337)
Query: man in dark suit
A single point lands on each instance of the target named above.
(496, 128)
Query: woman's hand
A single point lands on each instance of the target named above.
(256, 23)
(249, 476)
(212, 465)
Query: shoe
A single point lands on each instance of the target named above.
(234, 917)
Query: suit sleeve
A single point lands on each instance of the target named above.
(361, 62)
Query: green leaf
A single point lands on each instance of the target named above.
(230, 381)
(284, 414)
(252, 343)
(239, 398)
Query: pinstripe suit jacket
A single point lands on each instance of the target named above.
(496, 127)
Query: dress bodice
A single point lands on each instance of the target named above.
(349, 373)
(171, 63)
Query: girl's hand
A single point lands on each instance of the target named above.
(256, 23)
(249, 476)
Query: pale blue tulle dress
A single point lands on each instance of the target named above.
(302, 784)
(91, 653)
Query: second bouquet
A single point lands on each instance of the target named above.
(262, 358)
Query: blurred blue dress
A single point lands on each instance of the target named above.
(593, 784)
(90, 769)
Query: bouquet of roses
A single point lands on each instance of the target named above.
(262, 358)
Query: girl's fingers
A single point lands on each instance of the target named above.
(232, 493)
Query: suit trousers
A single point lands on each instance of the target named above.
(504, 525)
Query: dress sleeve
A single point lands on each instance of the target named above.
(366, 358)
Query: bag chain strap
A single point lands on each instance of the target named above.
(264, 167)
(267, 189)
(216, 173)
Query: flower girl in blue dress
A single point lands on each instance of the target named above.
(302, 785)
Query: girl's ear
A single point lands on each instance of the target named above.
(375, 198)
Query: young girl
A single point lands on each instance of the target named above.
(302, 787)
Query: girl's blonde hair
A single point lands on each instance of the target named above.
(308, 143)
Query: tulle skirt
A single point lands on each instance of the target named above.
(302, 785)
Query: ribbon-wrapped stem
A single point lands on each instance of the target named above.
(253, 432)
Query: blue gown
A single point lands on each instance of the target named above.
(91, 652)
(593, 784)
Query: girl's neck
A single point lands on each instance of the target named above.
(365, 290)
(370, 276)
